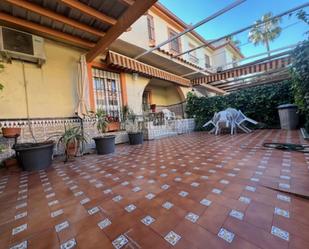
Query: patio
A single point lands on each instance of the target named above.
(209, 190)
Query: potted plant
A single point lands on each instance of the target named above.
(113, 124)
(34, 156)
(71, 140)
(8, 132)
(11, 132)
(153, 107)
(134, 128)
(105, 144)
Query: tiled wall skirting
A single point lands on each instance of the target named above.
(45, 128)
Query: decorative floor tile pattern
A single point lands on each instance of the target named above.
(186, 191)
(120, 242)
(172, 238)
(226, 235)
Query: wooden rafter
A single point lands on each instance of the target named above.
(45, 31)
(134, 12)
(127, 2)
(268, 80)
(54, 16)
(214, 89)
(74, 4)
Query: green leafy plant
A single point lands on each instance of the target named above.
(259, 103)
(2, 148)
(265, 31)
(1, 70)
(101, 121)
(132, 123)
(300, 79)
(70, 139)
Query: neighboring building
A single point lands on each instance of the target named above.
(115, 79)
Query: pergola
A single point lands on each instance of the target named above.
(95, 24)
(89, 24)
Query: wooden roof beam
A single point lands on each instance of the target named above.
(127, 2)
(54, 16)
(134, 12)
(74, 4)
(45, 31)
(214, 89)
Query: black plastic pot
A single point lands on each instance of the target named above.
(34, 156)
(136, 138)
(105, 145)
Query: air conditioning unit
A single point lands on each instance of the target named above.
(15, 44)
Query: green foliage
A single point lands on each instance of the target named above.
(2, 148)
(71, 135)
(101, 120)
(300, 79)
(1, 69)
(302, 15)
(259, 103)
(265, 30)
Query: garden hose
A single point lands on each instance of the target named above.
(288, 147)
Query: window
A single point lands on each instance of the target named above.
(235, 62)
(192, 55)
(107, 92)
(151, 31)
(207, 61)
(175, 46)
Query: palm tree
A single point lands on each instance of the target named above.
(265, 31)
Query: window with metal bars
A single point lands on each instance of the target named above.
(107, 92)
(207, 61)
(175, 46)
(151, 30)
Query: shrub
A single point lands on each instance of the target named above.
(300, 79)
(259, 103)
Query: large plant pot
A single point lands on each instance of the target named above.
(136, 138)
(11, 132)
(34, 156)
(105, 145)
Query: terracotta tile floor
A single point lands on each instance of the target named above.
(192, 191)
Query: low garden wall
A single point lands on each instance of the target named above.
(43, 129)
(259, 103)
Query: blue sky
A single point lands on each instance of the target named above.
(245, 14)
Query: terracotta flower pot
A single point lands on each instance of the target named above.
(72, 149)
(153, 107)
(11, 132)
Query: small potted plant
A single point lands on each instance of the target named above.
(134, 128)
(71, 140)
(153, 107)
(8, 132)
(105, 144)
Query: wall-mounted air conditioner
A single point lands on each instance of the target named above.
(15, 44)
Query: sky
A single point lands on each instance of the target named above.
(241, 16)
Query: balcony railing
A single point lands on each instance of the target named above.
(194, 59)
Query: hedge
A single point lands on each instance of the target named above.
(259, 103)
(300, 79)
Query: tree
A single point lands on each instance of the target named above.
(265, 31)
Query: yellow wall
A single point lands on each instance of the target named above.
(51, 89)
(135, 89)
(164, 95)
